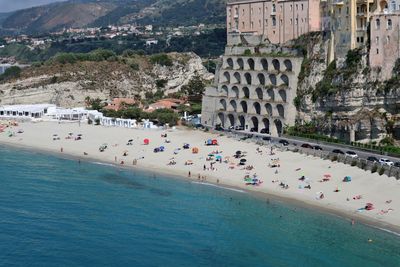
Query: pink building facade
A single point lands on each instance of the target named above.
(385, 41)
(279, 20)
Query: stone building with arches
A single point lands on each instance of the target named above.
(253, 92)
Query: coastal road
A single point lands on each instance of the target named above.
(297, 142)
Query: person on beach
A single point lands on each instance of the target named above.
(115, 158)
(189, 174)
(62, 150)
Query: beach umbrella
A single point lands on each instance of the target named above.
(130, 140)
(218, 157)
(327, 175)
(71, 133)
(243, 160)
(146, 141)
(79, 134)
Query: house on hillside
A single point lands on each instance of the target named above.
(120, 103)
(168, 103)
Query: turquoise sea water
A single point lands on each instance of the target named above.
(56, 212)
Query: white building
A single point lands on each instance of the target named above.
(26, 111)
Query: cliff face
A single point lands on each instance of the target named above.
(345, 97)
(68, 85)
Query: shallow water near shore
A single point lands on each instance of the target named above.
(57, 212)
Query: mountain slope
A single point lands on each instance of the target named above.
(57, 16)
(79, 13)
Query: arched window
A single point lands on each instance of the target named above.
(268, 108)
(227, 77)
(259, 93)
(237, 77)
(222, 104)
(264, 64)
(243, 104)
(288, 65)
(282, 94)
(281, 110)
(250, 62)
(233, 105)
(285, 79)
(261, 78)
(377, 24)
(276, 64)
(247, 76)
(389, 24)
(246, 92)
(224, 90)
(229, 62)
(235, 92)
(257, 108)
(240, 63)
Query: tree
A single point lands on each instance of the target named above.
(11, 73)
(195, 86)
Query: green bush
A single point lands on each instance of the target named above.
(11, 73)
(381, 171)
(354, 163)
(247, 52)
(334, 158)
(135, 66)
(161, 59)
(161, 83)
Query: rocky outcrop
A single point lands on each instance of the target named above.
(344, 98)
(69, 84)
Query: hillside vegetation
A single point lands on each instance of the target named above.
(205, 45)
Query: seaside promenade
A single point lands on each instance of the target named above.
(266, 170)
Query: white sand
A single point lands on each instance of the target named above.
(372, 187)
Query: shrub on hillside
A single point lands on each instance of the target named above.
(11, 73)
(161, 59)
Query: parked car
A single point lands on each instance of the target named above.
(373, 159)
(284, 142)
(385, 161)
(317, 147)
(239, 128)
(266, 138)
(338, 151)
(351, 154)
(397, 164)
(305, 145)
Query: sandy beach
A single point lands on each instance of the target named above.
(279, 172)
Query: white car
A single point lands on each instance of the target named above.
(384, 161)
(351, 154)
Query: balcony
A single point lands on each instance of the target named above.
(338, 2)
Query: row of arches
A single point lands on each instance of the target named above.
(255, 79)
(259, 93)
(251, 123)
(255, 107)
(258, 64)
